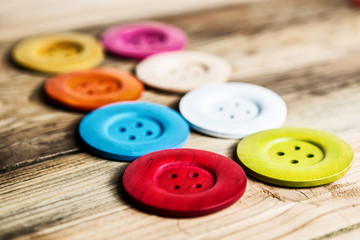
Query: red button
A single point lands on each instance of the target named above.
(184, 182)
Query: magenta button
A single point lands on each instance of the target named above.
(142, 39)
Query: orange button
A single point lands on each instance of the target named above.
(88, 90)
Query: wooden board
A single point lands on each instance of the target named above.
(307, 51)
(21, 18)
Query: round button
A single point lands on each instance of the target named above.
(91, 89)
(184, 182)
(295, 157)
(57, 53)
(183, 71)
(126, 131)
(233, 110)
(142, 39)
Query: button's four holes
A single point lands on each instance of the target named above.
(138, 125)
(310, 155)
(232, 116)
(193, 175)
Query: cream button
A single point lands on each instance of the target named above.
(183, 71)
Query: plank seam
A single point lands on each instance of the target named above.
(339, 232)
(39, 160)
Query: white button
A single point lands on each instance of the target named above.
(183, 71)
(233, 110)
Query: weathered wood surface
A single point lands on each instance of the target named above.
(20, 18)
(307, 51)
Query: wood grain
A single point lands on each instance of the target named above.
(21, 18)
(305, 50)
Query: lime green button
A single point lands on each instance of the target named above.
(295, 157)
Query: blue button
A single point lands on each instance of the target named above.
(126, 131)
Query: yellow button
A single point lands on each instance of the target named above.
(295, 157)
(58, 53)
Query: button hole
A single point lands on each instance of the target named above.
(108, 89)
(296, 148)
(237, 104)
(248, 112)
(221, 109)
(280, 153)
(175, 187)
(122, 129)
(310, 155)
(90, 92)
(139, 124)
(173, 175)
(132, 137)
(198, 185)
(294, 161)
(232, 116)
(194, 175)
(149, 133)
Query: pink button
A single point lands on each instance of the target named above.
(142, 39)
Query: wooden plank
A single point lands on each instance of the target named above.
(80, 197)
(21, 18)
(25, 138)
(307, 51)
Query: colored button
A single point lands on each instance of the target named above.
(295, 157)
(91, 89)
(126, 131)
(56, 53)
(184, 182)
(142, 39)
(183, 71)
(233, 110)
